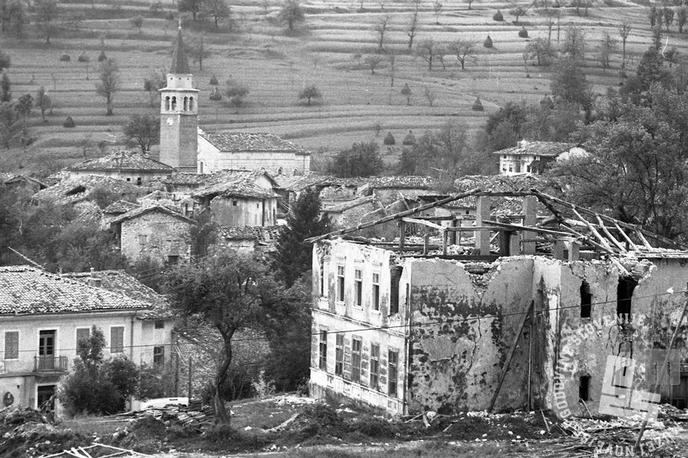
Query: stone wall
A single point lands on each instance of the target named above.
(155, 235)
(239, 212)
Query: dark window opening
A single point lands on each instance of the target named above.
(358, 278)
(45, 398)
(584, 387)
(340, 283)
(234, 203)
(374, 366)
(356, 360)
(159, 355)
(78, 190)
(586, 300)
(138, 181)
(376, 291)
(392, 374)
(394, 277)
(159, 324)
(323, 351)
(172, 259)
(339, 355)
(624, 294)
(322, 279)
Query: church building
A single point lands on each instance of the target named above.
(189, 149)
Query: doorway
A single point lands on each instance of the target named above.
(46, 349)
(45, 398)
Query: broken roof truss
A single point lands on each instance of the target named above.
(544, 219)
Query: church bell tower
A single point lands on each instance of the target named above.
(179, 113)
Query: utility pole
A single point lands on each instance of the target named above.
(660, 379)
(190, 371)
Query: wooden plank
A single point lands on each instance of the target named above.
(402, 235)
(510, 355)
(609, 234)
(643, 239)
(423, 223)
(625, 236)
(602, 240)
(531, 228)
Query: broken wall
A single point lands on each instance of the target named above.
(455, 358)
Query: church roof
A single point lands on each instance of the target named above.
(122, 160)
(230, 142)
(180, 64)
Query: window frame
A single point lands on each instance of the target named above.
(11, 331)
(375, 291)
(162, 355)
(356, 356)
(322, 350)
(110, 346)
(375, 366)
(358, 287)
(76, 335)
(339, 354)
(341, 283)
(392, 369)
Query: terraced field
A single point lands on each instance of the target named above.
(275, 67)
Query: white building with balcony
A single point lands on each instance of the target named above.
(533, 157)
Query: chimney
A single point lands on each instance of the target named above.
(93, 280)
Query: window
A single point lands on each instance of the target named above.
(392, 372)
(322, 278)
(159, 324)
(624, 294)
(174, 103)
(234, 203)
(11, 344)
(82, 334)
(586, 300)
(340, 283)
(117, 339)
(376, 291)
(584, 387)
(356, 359)
(142, 239)
(159, 355)
(358, 286)
(173, 259)
(323, 351)
(339, 354)
(395, 275)
(374, 366)
(138, 181)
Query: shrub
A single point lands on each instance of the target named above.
(477, 105)
(69, 122)
(65, 58)
(523, 33)
(498, 16)
(83, 58)
(213, 81)
(310, 94)
(102, 56)
(410, 139)
(389, 139)
(488, 42)
(215, 94)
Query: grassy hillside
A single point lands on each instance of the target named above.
(329, 54)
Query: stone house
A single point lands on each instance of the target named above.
(248, 239)
(44, 316)
(73, 190)
(532, 157)
(240, 198)
(24, 183)
(129, 166)
(251, 151)
(406, 328)
(154, 232)
(388, 189)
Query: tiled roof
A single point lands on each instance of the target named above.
(119, 207)
(299, 183)
(27, 290)
(186, 179)
(231, 142)
(78, 188)
(122, 160)
(263, 234)
(338, 207)
(401, 182)
(120, 282)
(237, 183)
(526, 147)
(12, 178)
(136, 212)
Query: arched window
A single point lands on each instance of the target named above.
(167, 103)
(191, 104)
(186, 104)
(174, 103)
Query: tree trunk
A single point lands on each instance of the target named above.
(108, 105)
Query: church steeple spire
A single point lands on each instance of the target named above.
(180, 64)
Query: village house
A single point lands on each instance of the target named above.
(532, 157)
(251, 151)
(155, 233)
(75, 190)
(351, 212)
(408, 327)
(248, 239)
(388, 189)
(240, 198)
(129, 166)
(24, 183)
(45, 315)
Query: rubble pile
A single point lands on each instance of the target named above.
(25, 432)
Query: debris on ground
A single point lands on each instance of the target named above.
(26, 432)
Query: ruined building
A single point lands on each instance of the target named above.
(519, 306)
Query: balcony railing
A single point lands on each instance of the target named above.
(50, 363)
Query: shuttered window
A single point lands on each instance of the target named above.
(117, 339)
(12, 345)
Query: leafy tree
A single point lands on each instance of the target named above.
(361, 160)
(310, 93)
(292, 258)
(137, 21)
(372, 61)
(5, 61)
(152, 83)
(446, 150)
(218, 10)
(9, 127)
(668, 14)
(462, 49)
(190, 6)
(235, 92)
(517, 13)
(5, 86)
(574, 43)
(109, 83)
(503, 128)
(650, 70)
(43, 101)
(540, 50)
(681, 18)
(46, 15)
(23, 107)
(427, 50)
(607, 47)
(229, 292)
(624, 31)
(569, 83)
(143, 130)
(381, 28)
(291, 14)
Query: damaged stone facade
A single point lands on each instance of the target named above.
(457, 321)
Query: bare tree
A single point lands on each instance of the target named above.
(43, 101)
(218, 10)
(372, 62)
(624, 31)
(381, 29)
(413, 25)
(550, 14)
(607, 47)
(426, 50)
(541, 50)
(429, 95)
(462, 49)
(291, 14)
(517, 13)
(437, 9)
(46, 15)
(109, 83)
(392, 68)
(441, 51)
